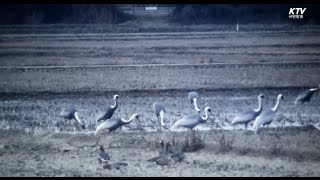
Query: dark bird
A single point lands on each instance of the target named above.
(305, 96)
(177, 155)
(165, 159)
(266, 116)
(247, 116)
(72, 113)
(114, 123)
(110, 110)
(193, 98)
(159, 111)
(161, 152)
(191, 121)
(103, 156)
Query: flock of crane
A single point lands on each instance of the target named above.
(260, 116)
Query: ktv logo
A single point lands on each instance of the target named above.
(296, 13)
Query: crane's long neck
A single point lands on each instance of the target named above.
(195, 104)
(260, 105)
(115, 103)
(161, 117)
(206, 115)
(127, 121)
(276, 106)
(76, 116)
(314, 89)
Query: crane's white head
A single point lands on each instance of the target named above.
(280, 96)
(135, 116)
(116, 97)
(208, 109)
(261, 96)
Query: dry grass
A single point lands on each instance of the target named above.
(57, 154)
(191, 143)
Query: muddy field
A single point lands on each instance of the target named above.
(281, 152)
(39, 112)
(42, 73)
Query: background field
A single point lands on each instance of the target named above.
(153, 61)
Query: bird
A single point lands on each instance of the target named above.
(159, 110)
(114, 123)
(71, 113)
(249, 115)
(266, 116)
(305, 96)
(161, 152)
(191, 121)
(165, 159)
(177, 155)
(110, 110)
(103, 156)
(193, 97)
